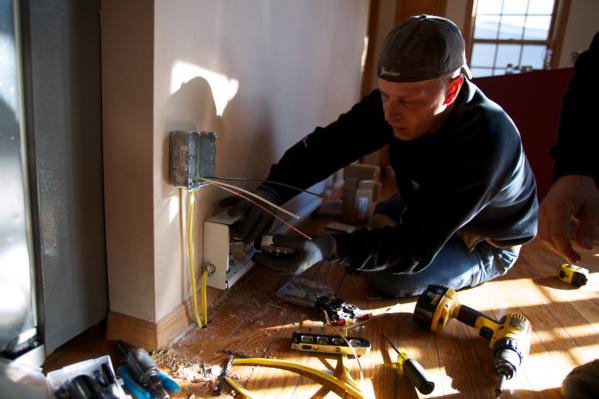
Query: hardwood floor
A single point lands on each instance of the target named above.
(248, 319)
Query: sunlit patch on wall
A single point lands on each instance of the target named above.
(223, 88)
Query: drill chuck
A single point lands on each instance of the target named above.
(506, 365)
(507, 357)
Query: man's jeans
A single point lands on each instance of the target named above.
(454, 266)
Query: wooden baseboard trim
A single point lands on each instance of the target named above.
(151, 336)
(131, 330)
(176, 322)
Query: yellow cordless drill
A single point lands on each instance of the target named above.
(509, 338)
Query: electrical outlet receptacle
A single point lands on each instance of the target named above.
(192, 156)
(231, 259)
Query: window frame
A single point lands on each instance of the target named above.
(553, 42)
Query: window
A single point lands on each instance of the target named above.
(511, 36)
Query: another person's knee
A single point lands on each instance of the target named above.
(582, 382)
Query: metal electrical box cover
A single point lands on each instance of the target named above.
(192, 155)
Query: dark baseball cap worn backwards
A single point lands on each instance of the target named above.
(420, 48)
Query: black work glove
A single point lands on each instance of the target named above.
(253, 221)
(306, 253)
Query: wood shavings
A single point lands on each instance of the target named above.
(186, 366)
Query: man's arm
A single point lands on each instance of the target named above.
(575, 193)
(356, 133)
(353, 135)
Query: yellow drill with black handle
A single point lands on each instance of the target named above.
(509, 338)
(412, 370)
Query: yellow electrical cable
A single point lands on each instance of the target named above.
(191, 197)
(240, 389)
(203, 296)
(296, 367)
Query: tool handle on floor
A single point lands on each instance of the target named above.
(417, 376)
(218, 390)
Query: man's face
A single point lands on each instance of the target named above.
(414, 109)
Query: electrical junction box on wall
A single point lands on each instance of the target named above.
(231, 259)
(192, 156)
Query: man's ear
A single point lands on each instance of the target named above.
(453, 89)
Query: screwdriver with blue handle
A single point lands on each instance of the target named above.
(412, 370)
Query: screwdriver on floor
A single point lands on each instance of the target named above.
(412, 370)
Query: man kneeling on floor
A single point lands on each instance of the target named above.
(467, 196)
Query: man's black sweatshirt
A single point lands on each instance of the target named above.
(471, 177)
(578, 140)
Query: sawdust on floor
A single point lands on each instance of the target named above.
(191, 359)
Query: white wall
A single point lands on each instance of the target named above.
(127, 75)
(583, 23)
(273, 69)
(456, 11)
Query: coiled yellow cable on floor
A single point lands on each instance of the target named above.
(191, 197)
(240, 389)
(318, 375)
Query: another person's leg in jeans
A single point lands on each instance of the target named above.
(454, 266)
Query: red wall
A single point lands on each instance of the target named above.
(533, 100)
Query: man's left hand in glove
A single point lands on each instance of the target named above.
(305, 254)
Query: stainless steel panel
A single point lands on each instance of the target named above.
(17, 310)
(65, 124)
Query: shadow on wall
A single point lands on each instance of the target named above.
(192, 107)
(243, 150)
(247, 144)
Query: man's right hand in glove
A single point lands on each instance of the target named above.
(305, 254)
(253, 220)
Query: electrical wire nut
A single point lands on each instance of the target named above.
(210, 267)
